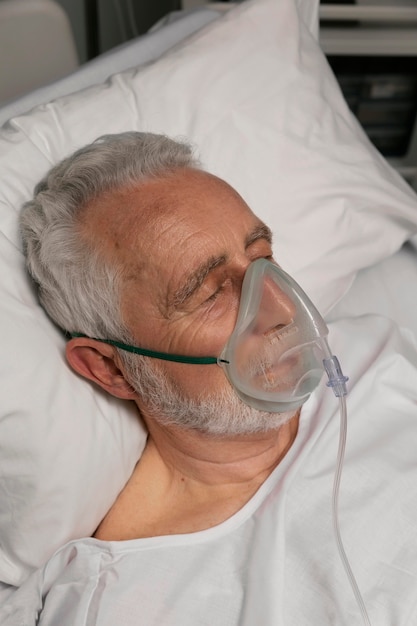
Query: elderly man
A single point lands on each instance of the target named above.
(151, 250)
(162, 277)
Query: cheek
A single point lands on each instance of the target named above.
(196, 381)
(194, 340)
(205, 336)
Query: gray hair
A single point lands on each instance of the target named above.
(79, 291)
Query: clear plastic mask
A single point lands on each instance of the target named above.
(274, 357)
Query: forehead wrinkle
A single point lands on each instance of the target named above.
(194, 281)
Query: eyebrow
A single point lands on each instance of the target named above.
(195, 280)
(262, 231)
(198, 276)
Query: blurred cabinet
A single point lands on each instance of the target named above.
(372, 49)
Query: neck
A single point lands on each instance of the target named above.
(216, 461)
(186, 481)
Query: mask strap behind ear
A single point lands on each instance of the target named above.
(177, 358)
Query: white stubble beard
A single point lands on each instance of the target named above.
(219, 414)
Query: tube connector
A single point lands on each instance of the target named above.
(337, 380)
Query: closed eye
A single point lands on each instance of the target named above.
(215, 294)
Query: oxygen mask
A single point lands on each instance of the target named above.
(274, 357)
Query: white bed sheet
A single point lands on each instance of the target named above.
(388, 288)
(274, 561)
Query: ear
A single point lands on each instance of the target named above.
(95, 361)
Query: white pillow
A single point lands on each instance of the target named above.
(255, 94)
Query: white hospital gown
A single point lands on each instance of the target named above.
(275, 562)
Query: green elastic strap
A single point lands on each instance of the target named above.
(177, 358)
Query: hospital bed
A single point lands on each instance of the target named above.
(251, 89)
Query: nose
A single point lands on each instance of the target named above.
(276, 309)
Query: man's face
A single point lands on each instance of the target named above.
(185, 242)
